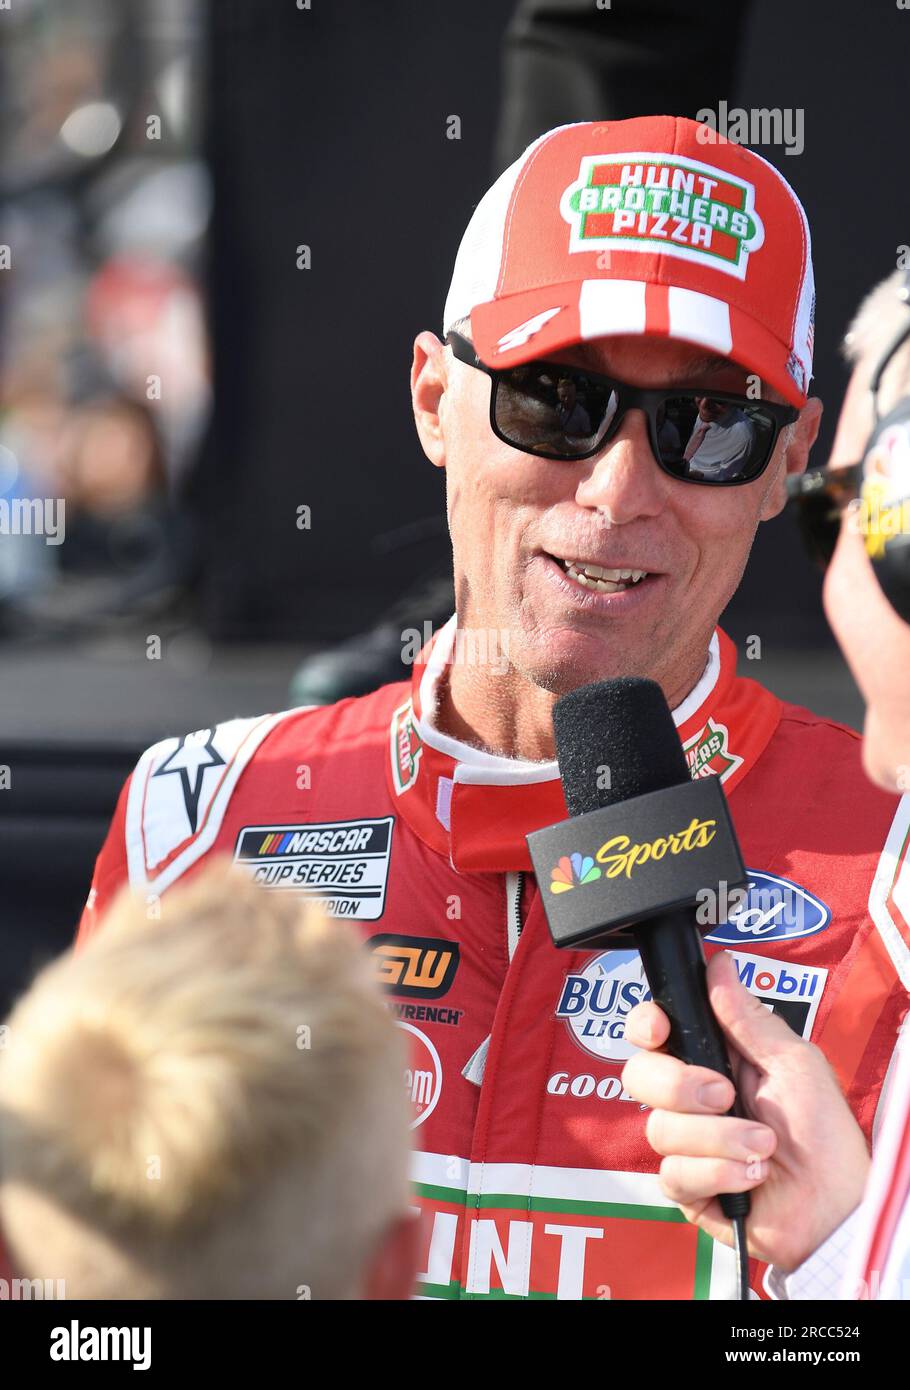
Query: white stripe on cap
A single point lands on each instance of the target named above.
(611, 306)
(699, 318)
(618, 306)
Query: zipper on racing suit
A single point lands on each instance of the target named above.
(514, 884)
(473, 1069)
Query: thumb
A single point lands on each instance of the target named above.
(756, 1032)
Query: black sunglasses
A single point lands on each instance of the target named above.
(819, 497)
(566, 413)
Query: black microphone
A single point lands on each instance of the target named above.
(643, 842)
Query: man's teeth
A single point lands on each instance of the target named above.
(596, 577)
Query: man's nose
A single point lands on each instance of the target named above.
(624, 478)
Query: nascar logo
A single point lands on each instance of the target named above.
(343, 865)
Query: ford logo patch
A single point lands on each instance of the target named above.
(770, 909)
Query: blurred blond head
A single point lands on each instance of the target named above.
(210, 1105)
(874, 640)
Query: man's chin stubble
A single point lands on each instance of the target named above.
(560, 680)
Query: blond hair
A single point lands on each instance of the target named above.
(875, 323)
(210, 1105)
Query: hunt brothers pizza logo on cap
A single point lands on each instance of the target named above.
(677, 206)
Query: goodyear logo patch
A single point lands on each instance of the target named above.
(418, 967)
(343, 865)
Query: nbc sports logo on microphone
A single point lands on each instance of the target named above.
(572, 869)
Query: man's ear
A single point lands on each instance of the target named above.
(804, 434)
(428, 384)
(392, 1271)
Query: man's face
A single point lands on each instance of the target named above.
(515, 520)
(710, 410)
(874, 640)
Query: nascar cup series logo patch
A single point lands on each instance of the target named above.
(672, 206)
(344, 865)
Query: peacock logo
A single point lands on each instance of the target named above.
(572, 869)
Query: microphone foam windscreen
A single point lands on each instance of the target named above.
(615, 740)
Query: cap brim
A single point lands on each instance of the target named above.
(536, 323)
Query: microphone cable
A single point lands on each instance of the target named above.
(741, 1248)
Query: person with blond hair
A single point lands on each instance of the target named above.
(832, 1222)
(209, 1105)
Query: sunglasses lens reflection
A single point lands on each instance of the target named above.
(542, 409)
(562, 413)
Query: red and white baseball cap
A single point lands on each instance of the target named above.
(657, 226)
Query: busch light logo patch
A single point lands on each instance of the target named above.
(668, 206)
(791, 990)
(767, 909)
(343, 865)
(594, 1003)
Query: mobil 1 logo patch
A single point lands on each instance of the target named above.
(787, 987)
(343, 865)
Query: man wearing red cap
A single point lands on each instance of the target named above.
(618, 285)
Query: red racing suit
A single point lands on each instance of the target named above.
(531, 1164)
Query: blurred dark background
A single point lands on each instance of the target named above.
(169, 370)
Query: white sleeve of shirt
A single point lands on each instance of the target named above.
(822, 1275)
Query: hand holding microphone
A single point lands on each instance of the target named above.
(801, 1153)
(655, 839)
(649, 839)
